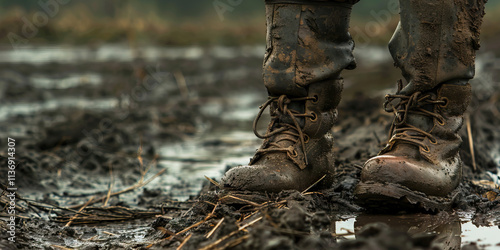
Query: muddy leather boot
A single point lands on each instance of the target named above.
(308, 45)
(434, 46)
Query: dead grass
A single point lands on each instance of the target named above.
(78, 24)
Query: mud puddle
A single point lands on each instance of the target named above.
(9, 110)
(120, 235)
(120, 53)
(192, 160)
(371, 55)
(457, 231)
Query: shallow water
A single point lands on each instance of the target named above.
(120, 53)
(29, 108)
(190, 161)
(457, 230)
(70, 81)
(121, 234)
(125, 53)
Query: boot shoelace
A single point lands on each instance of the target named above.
(411, 104)
(295, 131)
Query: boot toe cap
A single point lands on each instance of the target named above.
(255, 178)
(384, 169)
(417, 176)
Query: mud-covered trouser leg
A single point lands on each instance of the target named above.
(434, 46)
(307, 42)
(436, 41)
(308, 45)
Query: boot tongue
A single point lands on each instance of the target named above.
(420, 120)
(284, 117)
(286, 139)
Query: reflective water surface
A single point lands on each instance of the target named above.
(450, 231)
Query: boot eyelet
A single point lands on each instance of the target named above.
(441, 122)
(446, 101)
(314, 117)
(316, 99)
(294, 153)
(433, 141)
(425, 149)
(306, 138)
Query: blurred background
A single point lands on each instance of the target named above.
(181, 23)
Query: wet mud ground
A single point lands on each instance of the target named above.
(113, 146)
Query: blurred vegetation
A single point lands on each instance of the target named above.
(179, 22)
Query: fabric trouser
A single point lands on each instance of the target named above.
(435, 42)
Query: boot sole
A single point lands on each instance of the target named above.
(388, 197)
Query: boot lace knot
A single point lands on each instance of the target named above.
(415, 103)
(292, 132)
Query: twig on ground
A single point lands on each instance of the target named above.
(60, 247)
(91, 238)
(192, 226)
(138, 185)
(213, 182)
(250, 215)
(108, 233)
(111, 184)
(240, 199)
(211, 203)
(215, 228)
(76, 215)
(314, 184)
(345, 234)
(209, 216)
(230, 234)
(50, 207)
(308, 193)
(234, 242)
(471, 141)
(184, 241)
(107, 214)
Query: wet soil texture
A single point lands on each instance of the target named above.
(113, 146)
